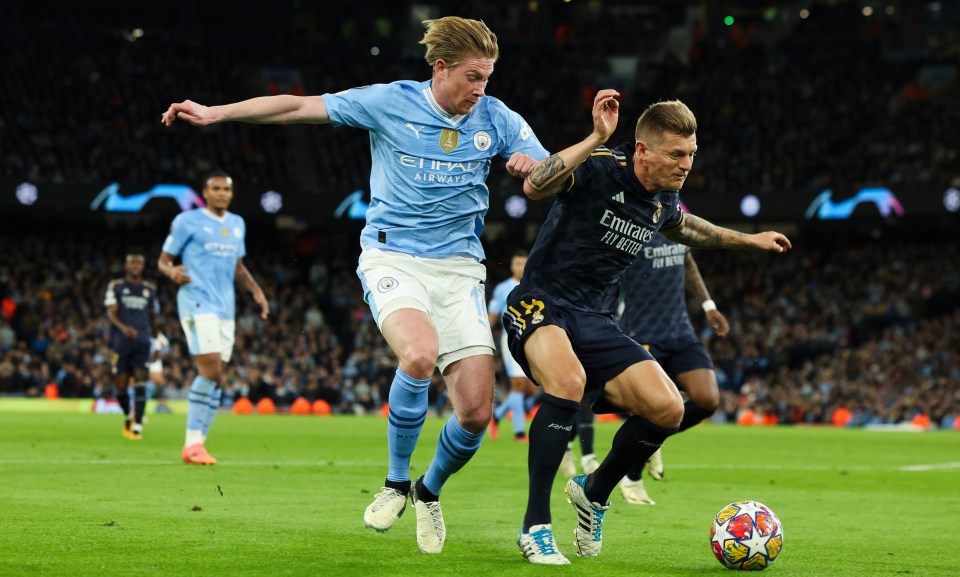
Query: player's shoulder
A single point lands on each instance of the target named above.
(187, 216)
(609, 155)
(150, 285)
(236, 219)
(497, 109)
(113, 284)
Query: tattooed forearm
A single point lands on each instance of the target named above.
(547, 172)
(699, 233)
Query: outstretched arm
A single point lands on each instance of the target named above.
(550, 175)
(699, 233)
(280, 109)
(695, 285)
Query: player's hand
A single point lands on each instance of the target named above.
(264, 304)
(189, 111)
(129, 332)
(606, 112)
(718, 322)
(161, 342)
(521, 164)
(772, 241)
(179, 276)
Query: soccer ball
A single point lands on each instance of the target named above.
(746, 535)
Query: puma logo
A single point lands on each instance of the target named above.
(416, 131)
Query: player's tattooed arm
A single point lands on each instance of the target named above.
(694, 231)
(555, 172)
(549, 176)
(699, 233)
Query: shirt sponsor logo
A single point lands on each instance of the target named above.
(624, 234)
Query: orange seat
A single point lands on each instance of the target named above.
(841, 417)
(747, 418)
(321, 407)
(921, 421)
(300, 407)
(265, 406)
(242, 406)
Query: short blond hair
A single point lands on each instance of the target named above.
(454, 39)
(667, 116)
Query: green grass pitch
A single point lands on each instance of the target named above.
(287, 498)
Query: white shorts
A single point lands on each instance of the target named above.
(510, 366)
(155, 366)
(208, 333)
(450, 290)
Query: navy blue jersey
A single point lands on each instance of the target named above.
(135, 302)
(655, 304)
(594, 231)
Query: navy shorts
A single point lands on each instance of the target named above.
(129, 355)
(679, 357)
(600, 345)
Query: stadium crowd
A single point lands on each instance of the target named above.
(871, 327)
(834, 100)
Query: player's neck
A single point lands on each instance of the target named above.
(645, 181)
(217, 212)
(134, 279)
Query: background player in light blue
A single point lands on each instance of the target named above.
(521, 387)
(432, 145)
(211, 245)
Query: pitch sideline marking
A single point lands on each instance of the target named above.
(918, 468)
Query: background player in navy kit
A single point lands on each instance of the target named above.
(560, 317)
(655, 315)
(432, 144)
(132, 307)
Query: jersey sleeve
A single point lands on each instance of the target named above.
(178, 237)
(581, 176)
(361, 107)
(517, 136)
(111, 297)
(243, 236)
(672, 213)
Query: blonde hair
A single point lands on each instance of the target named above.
(454, 39)
(667, 116)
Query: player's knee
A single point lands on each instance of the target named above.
(418, 362)
(475, 419)
(667, 414)
(566, 386)
(709, 402)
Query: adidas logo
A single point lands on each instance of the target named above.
(618, 197)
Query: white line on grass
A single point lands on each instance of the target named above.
(919, 468)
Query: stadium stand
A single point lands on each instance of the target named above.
(785, 104)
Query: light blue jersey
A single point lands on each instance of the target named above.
(428, 195)
(498, 300)
(209, 246)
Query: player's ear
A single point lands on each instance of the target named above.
(440, 67)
